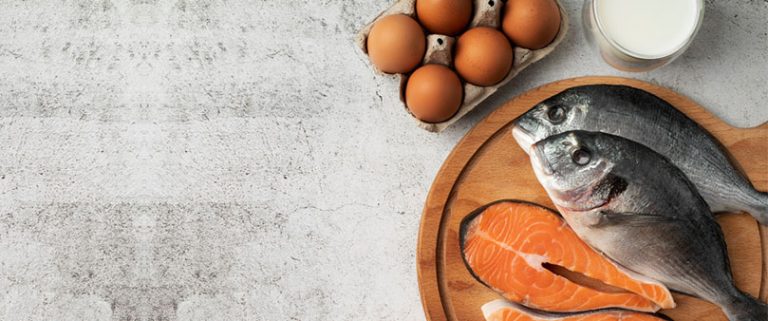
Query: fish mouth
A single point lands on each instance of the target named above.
(523, 138)
(540, 163)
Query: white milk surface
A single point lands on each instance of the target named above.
(648, 28)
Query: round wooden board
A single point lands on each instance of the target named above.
(488, 165)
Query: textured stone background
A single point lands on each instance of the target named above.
(238, 160)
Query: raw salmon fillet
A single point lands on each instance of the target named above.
(506, 244)
(501, 310)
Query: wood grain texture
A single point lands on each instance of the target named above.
(487, 165)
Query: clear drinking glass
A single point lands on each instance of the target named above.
(622, 58)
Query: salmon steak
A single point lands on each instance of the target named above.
(515, 248)
(501, 310)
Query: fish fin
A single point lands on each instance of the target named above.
(611, 218)
(746, 308)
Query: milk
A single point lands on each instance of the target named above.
(648, 28)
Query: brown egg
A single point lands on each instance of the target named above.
(531, 24)
(433, 93)
(445, 17)
(483, 56)
(396, 44)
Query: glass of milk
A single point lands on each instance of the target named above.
(641, 35)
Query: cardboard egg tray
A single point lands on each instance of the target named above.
(487, 13)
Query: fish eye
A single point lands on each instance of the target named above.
(581, 156)
(556, 114)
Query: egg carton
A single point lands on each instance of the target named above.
(487, 13)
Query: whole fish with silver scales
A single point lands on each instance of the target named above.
(642, 117)
(641, 211)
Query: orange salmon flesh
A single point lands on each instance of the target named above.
(503, 311)
(506, 245)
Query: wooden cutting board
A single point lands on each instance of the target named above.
(488, 165)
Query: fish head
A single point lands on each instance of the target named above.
(558, 114)
(573, 169)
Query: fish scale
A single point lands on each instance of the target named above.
(644, 118)
(652, 221)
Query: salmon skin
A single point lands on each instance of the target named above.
(640, 210)
(640, 116)
(506, 244)
(502, 310)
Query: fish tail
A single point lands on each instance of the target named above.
(746, 308)
(759, 207)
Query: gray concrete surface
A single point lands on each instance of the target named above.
(238, 160)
